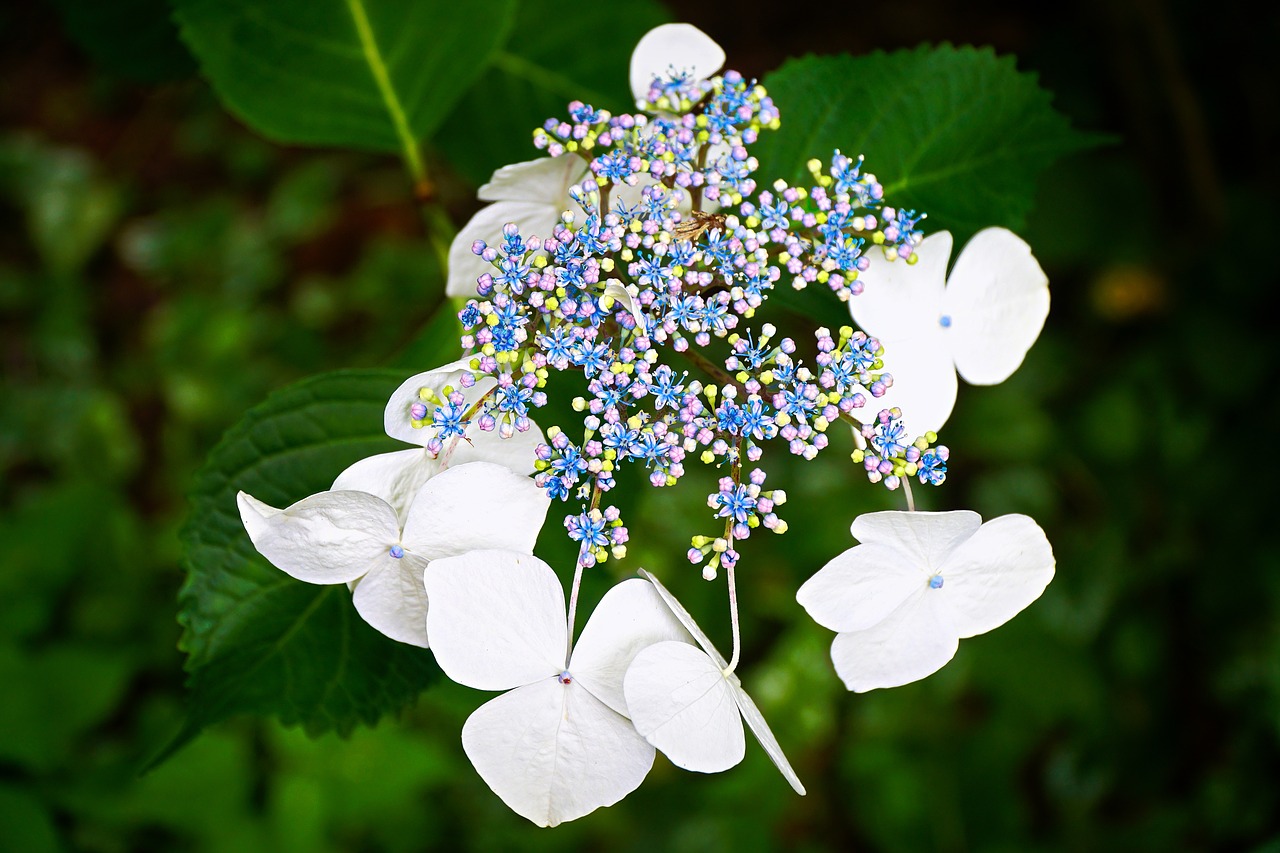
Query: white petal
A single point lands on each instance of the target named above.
(332, 537)
(916, 640)
(686, 620)
(924, 539)
(630, 617)
(398, 421)
(395, 477)
(899, 301)
(682, 703)
(553, 752)
(532, 218)
(860, 587)
(475, 506)
(997, 572)
(542, 181)
(393, 600)
(496, 620)
(924, 383)
(997, 298)
(516, 453)
(682, 47)
(755, 721)
(620, 294)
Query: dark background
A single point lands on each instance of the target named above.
(162, 269)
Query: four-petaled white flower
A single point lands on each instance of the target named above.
(686, 703)
(558, 745)
(349, 536)
(981, 323)
(680, 48)
(397, 476)
(918, 584)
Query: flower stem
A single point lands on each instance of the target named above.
(911, 501)
(733, 619)
(577, 585)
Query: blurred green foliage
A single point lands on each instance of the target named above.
(163, 269)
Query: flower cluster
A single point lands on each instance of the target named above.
(665, 246)
(636, 256)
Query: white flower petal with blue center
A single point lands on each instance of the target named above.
(349, 536)
(673, 47)
(918, 584)
(980, 320)
(558, 745)
(686, 704)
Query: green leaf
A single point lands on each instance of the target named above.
(957, 132)
(369, 74)
(585, 56)
(258, 641)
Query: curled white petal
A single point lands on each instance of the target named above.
(397, 418)
(544, 181)
(679, 47)
(332, 537)
(553, 752)
(750, 713)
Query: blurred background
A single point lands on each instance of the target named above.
(163, 268)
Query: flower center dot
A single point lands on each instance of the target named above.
(945, 321)
(397, 551)
(935, 582)
(565, 677)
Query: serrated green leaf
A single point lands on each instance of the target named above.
(258, 641)
(585, 56)
(957, 132)
(369, 74)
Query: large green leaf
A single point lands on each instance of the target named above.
(258, 641)
(957, 132)
(585, 56)
(370, 74)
